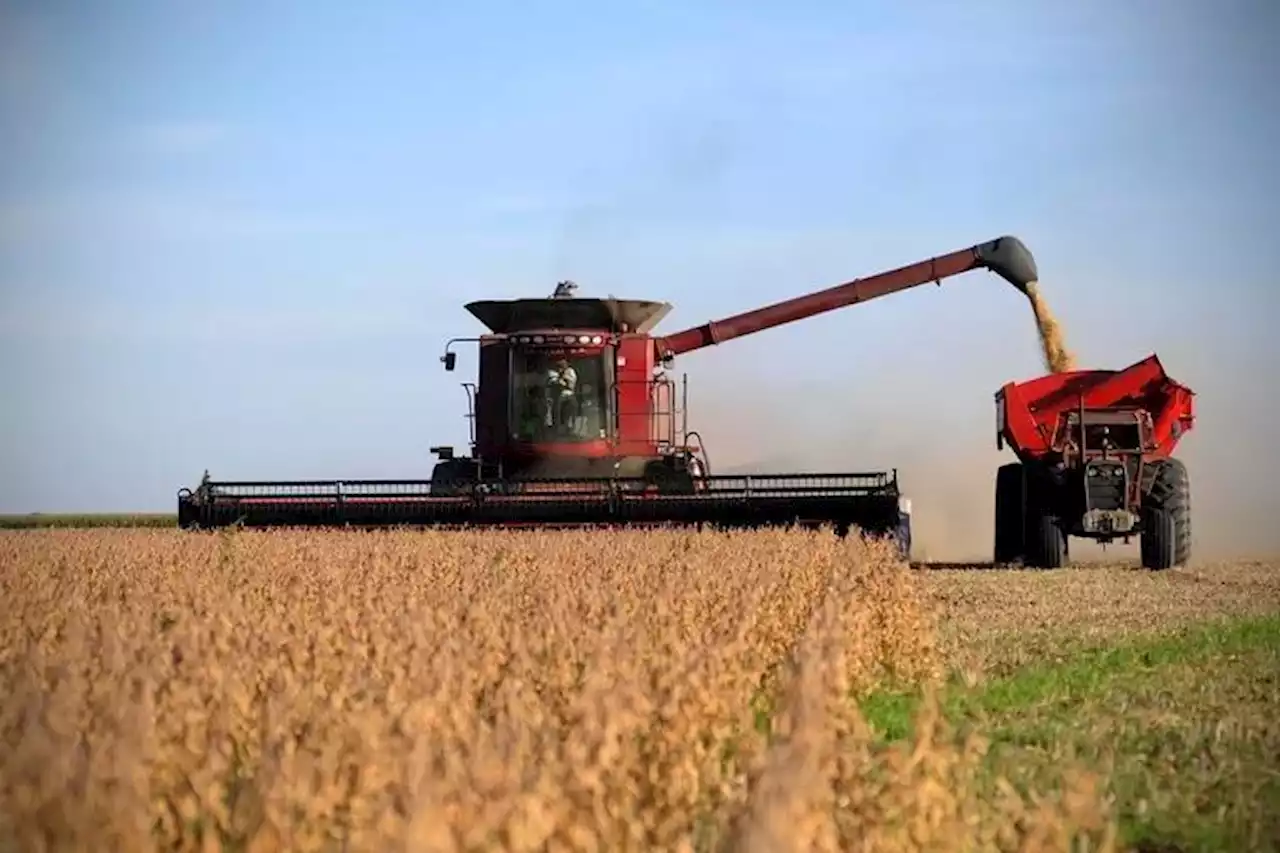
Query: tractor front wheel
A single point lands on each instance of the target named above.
(1046, 541)
(1166, 516)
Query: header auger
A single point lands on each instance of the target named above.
(575, 421)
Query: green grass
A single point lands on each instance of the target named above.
(1186, 725)
(115, 519)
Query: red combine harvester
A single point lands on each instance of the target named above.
(1096, 461)
(575, 422)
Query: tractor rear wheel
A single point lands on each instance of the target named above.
(1046, 542)
(1165, 541)
(1010, 544)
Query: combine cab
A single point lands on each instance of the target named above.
(1095, 450)
(576, 421)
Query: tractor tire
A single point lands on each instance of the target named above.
(1045, 546)
(1010, 538)
(1165, 541)
(1046, 543)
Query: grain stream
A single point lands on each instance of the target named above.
(304, 691)
(1057, 359)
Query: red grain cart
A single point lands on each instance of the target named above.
(1095, 450)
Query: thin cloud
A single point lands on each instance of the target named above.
(26, 75)
(132, 215)
(180, 137)
(520, 203)
(40, 316)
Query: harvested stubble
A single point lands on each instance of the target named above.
(442, 692)
(1057, 359)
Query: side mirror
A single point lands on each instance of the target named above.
(450, 359)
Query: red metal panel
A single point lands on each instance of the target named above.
(585, 449)
(634, 378)
(1021, 430)
(1174, 420)
(1031, 409)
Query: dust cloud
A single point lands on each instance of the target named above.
(1057, 359)
(947, 463)
(952, 493)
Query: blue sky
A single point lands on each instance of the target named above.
(236, 236)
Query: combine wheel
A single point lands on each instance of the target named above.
(1166, 517)
(451, 478)
(667, 480)
(1046, 542)
(1010, 545)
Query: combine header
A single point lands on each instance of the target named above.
(575, 421)
(1096, 461)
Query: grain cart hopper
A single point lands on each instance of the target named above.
(1095, 451)
(575, 421)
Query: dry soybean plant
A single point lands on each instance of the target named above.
(477, 691)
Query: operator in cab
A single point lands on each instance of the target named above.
(533, 414)
(587, 422)
(562, 383)
(562, 378)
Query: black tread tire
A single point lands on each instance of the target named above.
(1046, 542)
(452, 477)
(667, 479)
(1165, 542)
(1010, 532)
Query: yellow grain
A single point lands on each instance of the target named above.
(1057, 359)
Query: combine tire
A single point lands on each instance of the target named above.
(1010, 545)
(1166, 517)
(453, 478)
(667, 480)
(1046, 543)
